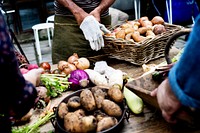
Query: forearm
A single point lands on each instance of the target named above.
(104, 5)
(185, 75)
(77, 11)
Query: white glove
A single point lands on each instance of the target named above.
(92, 31)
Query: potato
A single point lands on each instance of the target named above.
(72, 123)
(129, 37)
(121, 34)
(142, 30)
(111, 108)
(144, 18)
(126, 25)
(115, 94)
(106, 123)
(158, 29)
(62, 110)
(128, 30)
(147, 23)
(150, 34)
(99, 95)
(75, 124)
(157, 20)
(137, 37)
(88, 124)
(99, 115)
(74, 102)
(87, 100)
(80, 113)
(134, 24)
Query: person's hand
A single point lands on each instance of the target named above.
(81, 16)
(33, 76)
(167, 101)
(96, 14)
(92, 31)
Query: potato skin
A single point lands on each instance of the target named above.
(87, 100)
(129, 37)
(142, 30)
(80, 113)
(74, 102)
(72, 123)
(111, 108)
(88, 124)
(121, 34)
(144, 18)
(75, 123)
(115, 94)
(99, 115)
(62, 110)
(158, 29)
(106, 123)
(137, 37)
(99, 95)
(157, 20)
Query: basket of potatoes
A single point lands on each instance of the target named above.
(94, 109)
(139, 41)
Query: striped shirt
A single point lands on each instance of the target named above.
(86, 5)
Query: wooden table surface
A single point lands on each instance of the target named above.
(150, 121)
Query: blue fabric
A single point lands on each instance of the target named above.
(184, 77)
(183, 11)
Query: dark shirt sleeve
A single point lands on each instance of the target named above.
(17, 95)
(184, 77)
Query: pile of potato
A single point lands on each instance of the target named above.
(139, 30)
(94, 110)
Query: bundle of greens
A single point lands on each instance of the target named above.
(55, 83)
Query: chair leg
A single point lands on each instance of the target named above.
(48, 34)
(52, 31)
(37, 44)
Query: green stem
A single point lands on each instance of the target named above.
(54, 75)
(40, 122)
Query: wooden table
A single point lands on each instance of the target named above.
(150, 121)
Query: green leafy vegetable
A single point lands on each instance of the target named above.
(55, 83)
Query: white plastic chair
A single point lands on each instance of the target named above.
(50, 19)
(36, 28)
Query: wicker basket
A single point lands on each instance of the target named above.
(142, 52)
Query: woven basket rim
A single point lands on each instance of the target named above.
(139, 53)
(120, 41)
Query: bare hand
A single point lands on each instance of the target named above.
(33, 76)
(167, 101)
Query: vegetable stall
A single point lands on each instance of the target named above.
(150, 120)
(76, 96)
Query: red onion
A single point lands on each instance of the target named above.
(45, 65)
(79, 79)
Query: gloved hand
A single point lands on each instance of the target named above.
(92, 31)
